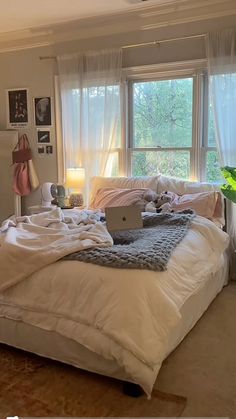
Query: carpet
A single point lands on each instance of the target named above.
(203, 366)
(35, 386)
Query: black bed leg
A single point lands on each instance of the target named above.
(132, 390)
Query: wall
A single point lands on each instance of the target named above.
(24, 69)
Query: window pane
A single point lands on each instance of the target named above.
(171, 163)
(162, 113)
(213, 173)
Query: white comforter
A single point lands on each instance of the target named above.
(43, 239)
(126, 315)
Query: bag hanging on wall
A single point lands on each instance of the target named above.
(21, 183)
(33, 178)
(25, 178)
(22, 151)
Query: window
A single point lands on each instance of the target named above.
(169, 120)
(163, 132)
(161, 127)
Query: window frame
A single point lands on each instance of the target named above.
(191, 69)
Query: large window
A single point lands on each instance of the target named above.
(165, 124)
(161, 127)
(171, 129)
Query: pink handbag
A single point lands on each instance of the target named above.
(21, 184)
(22, 151)
(20, 156)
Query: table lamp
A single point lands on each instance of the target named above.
(75, 177)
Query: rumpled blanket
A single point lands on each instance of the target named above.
(29, 243)
(147, 248)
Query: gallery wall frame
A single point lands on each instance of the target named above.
(17, 108)
(43, 136)
(42, 111)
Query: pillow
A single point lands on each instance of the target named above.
(206, 204)
(98, 182)
(181, 187)
(116, 197)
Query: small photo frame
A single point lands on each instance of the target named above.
(41, 150)
(17, 108)
(42, 111)
(43, 136)
(49, 149)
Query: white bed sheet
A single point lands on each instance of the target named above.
(45, 301)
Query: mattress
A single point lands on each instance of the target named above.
(118, 322)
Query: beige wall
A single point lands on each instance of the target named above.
(24, 69)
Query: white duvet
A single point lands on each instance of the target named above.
(121, 314)
(44, 238)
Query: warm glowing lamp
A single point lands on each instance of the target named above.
(75, 178)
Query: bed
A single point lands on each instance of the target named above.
(118, 322)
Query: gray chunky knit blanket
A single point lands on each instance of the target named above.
(147, 248)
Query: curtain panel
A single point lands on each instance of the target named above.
(221, 55)
(91, 108)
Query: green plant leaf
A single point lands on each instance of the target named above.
(229, 189)
(229, 174)
(230, 194)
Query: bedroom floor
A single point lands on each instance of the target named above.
(203, 367)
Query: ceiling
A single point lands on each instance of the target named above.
(24, 14)
(39, 23)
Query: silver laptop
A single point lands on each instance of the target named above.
(123, 218)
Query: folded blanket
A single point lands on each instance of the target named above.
(147, 248)
(31, 242)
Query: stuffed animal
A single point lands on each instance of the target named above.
(163, 202)
(149, 199)
(157, 202)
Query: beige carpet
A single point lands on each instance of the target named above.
(203, 367)
(33, 386)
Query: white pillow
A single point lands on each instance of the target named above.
(182, 187)
(98, 182)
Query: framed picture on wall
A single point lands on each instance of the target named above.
(42, 111)
(49, 149)
(17, 108)
(41, 150)
(43, 136)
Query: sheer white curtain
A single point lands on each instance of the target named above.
(90, 98)
(221, 54)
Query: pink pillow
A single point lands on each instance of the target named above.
(206, 204)
(110, 197)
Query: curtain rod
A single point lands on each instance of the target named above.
(141, 44)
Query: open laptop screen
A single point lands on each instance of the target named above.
(123, 218)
